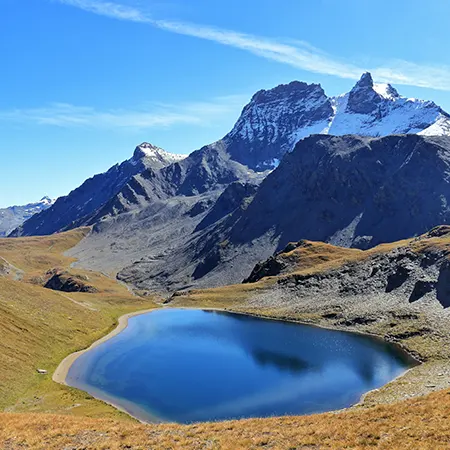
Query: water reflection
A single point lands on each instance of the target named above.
(280, 361)
(187, 365)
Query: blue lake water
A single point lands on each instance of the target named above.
(192, 365)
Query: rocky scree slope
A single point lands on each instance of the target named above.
(68, 212)
(348, 191)
(419, 268)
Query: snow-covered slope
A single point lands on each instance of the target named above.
(14, 216)
(376, 110)
(275, 120)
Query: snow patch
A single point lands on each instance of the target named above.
(149, 151)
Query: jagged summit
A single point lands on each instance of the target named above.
(46, 200)
(366, 80)
(276, 119)
(147, 148)
(366, 96)
(367, 85)
(363, 98)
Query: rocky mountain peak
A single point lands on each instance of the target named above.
(153, 153)
(146, 150)
(366, 81)
(46, 200)
(275, 120)
(363, 98)
(293, 91)
(368, 87)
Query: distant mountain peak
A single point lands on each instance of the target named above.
(149, 146)
(150, 151)
(14, 216)
(274, 121)
(363, 98)
(46, 200)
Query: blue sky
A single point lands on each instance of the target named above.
(84, 81)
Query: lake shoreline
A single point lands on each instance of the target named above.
(61, 373)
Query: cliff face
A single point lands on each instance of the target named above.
(352, 191)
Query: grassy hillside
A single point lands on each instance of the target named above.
(419, 424)
(39, 327)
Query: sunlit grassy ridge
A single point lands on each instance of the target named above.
(39, 327)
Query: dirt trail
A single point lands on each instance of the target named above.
(84, 305)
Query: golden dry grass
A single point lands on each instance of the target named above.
(418, 424)
(39, 327)
(34, 255)
(314, 254)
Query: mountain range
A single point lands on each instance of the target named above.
(275, 120)
(14, 216)
(298, 164)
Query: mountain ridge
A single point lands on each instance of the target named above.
(203, 220)
(298, 110)
(69, 211)
(12, 217)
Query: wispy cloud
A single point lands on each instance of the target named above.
(297, 54)
(151, 116)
